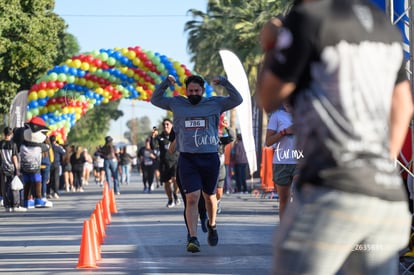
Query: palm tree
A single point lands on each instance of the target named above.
(233, 25)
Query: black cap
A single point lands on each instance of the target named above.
(108, 139)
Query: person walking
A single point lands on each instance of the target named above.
(147, 159)
(341, 64)
(280, 135)
(125, 164)
(239, 158)
(9, 169)
(226, 137)
(196, 125)
(167, 164)
(67, 169)
(111, 164)
(77, 161)
(98, 166)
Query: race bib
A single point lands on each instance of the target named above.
(195, 123)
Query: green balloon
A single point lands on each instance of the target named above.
(62, 77)
(53, 77)
(111, 61)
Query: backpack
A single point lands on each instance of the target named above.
(30, 159)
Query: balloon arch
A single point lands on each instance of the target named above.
(67, 91)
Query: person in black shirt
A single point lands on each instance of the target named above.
(341, 64)
(168, 164)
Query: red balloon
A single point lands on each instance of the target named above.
(42, 85)
(51, 85)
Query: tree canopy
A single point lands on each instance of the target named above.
(229, 24)
(32, 39)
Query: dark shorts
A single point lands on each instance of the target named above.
(167, 171)
(199, 171)
(98, 169)
(67, 167)
(283, 174)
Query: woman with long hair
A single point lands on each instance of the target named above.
(77, 161)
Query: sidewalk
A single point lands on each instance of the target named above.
(144, 237)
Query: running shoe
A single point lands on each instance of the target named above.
(219, 207)
(170, 204)
(42, 203)
(18, 209)
(212, 237)
(193, 245)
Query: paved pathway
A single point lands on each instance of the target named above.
(144, 237)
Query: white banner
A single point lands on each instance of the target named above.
(237, 76)
(18, 110)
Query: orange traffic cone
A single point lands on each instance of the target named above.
(87, 254)
(94, 241)
(112, 202)
(106, 210)
(99, 219)
(98, 233)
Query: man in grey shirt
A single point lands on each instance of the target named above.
(196, 120)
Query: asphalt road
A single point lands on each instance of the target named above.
(144, 237)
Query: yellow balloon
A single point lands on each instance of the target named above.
(131, 54)
(77, 116)
(50, 92)
(84, 66)
(124, 51)
(32, 96)
(180, 71)
(99, 90)
(77, 63)
(42, 94)
(105, 100)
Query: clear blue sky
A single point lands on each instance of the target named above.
(156, 25)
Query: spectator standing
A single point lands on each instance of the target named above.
(239, 158)
(55, 168)
(280, 135)
(9, 169)
(47, 159)
(67, 169)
